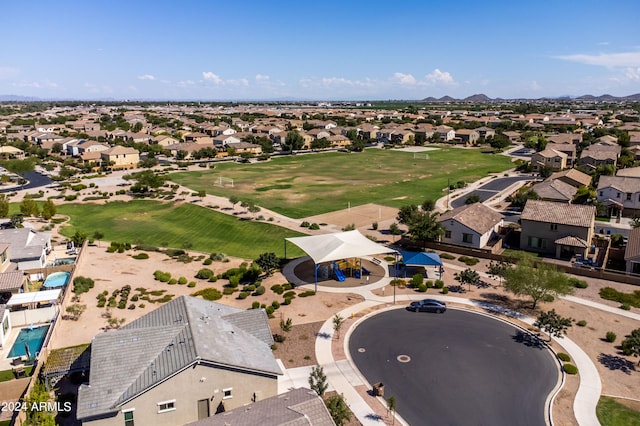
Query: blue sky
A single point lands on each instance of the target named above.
(321, 50)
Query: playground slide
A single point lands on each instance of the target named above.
(339, 275)
(365, 271)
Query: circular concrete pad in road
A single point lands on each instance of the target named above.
(465, 368)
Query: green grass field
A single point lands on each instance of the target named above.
(172, 225)
(612, 413)
(306, 185)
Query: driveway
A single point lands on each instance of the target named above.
(35, 180)
(456, 368)
(489, 189)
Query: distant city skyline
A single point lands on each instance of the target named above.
(329, 50)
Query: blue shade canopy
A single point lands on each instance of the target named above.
(420, 258)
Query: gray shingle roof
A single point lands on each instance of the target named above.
(621, 183)
(559, 213)
(25, 243)
(298, 407)
(555, 190)
(633, 245)
(161, 343)
(11, 281)
(476, 216)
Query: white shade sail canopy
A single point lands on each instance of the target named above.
(34, 297)
(341, 245)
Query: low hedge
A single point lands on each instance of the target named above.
(570, 369)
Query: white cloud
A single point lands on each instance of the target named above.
(404, 78)
(146, 77)
(209, 76)
(633, 73)
(440, 77)
(185, 83)
(609, 60)
(6, 72)
(46, 84)
(262, 77)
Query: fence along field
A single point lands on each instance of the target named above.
(306, 185)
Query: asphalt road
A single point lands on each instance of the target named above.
(36, 180)
(464, 368)
(489, 189)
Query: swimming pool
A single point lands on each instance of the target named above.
(33, 337)
(57, 279)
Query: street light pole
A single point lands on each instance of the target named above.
(396, 280)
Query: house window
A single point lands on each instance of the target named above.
(467, 238)
(128, 418)
(554, 226)
(617, 195)
(165, 406)
(447, 234)
(628, 196)
(538, 243)
(226, 393)
(601, 192)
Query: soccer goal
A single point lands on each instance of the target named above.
(417, 155)
(224, 181)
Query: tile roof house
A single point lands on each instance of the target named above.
(555, 190)
(558, 229)
(621, 194)
(550, 158)
(120, 157)
(180, 363)
(569, 149)
(28, 248)
(632, 252)
(600, 154)
(471, 225)
(297, 407)
(573, 177)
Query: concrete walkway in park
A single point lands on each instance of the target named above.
(344, 377)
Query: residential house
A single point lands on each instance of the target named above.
(339, 140)
(199, 138)
(9, 151)
(121, 157)
(164, 140)
(319, 133)
(367, 131)
(569, 149)
(472, 225)
(621, 195)
(513, 136)
(13, 282)
(565, 138)
(558, 229)
(244, 147)
(446, 133)
(555, 190)
(634, 138)
(486, 132)
(467, 136)
(297, 407)
(402, 136)
(28, 248)
(600, 154)
(549, 158)
(180, 363)
(632, 252)
(573, 177)
(629, 172)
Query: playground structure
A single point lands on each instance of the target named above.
(348, 268)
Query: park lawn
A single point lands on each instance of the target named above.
(178, 226)
(306, 185)
(612, 413)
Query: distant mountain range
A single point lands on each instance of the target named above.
(482, 98)
(479, 98)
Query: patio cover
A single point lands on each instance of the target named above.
(34, 297)
(420, 258)
(341, 245)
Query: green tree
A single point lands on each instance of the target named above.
(631, 345)
(539, 283)
(318, 380)
(4, 206)
(553, 324)
(498, 269)
(469, 276)
(391, 407)
(635, 222)
(583, 195)
(79, 238)
(234, 200)
(39, 395)
(428, 205)
(97, 235)
(394, 230)
(339, 410)
(268, 262)
(137, 127)
(424, 227)
(75, 310)
(145, 180)
(29, 207)
(293, 141)
(19, 167)
(338, 321)
(48, 210)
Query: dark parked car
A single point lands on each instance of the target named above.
(428, 305)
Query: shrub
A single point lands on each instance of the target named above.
(416, 280)
(242, 295)
(134, 298)
(162, 276)
(287, 286)
(307, 293)
(173, 281)
(570, 369)
(140, 256)
(122, 304)
(277, 289)
(259, 291)
(249, 288)
(564, 357)
(207, 261)
(101, 303)
(445, 290)
(429, 283)
(132, 306)
(228, 290)
(439, 284)
(447, 256)
(578, 283)
(208, 293)
(275, 304)
(269, 310)
(625, 307)
(279, 338)
(255, 305)
(286, 301)
(205, 274)
(581, 323)
(191, 284)
(314, 227)
(469, 261)
(374, 226)
(422, 288)
(234, 280)
(82, 284)
(305, 224)
(611, 336)
(174, 252)
(182, 280)
(289, 294)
